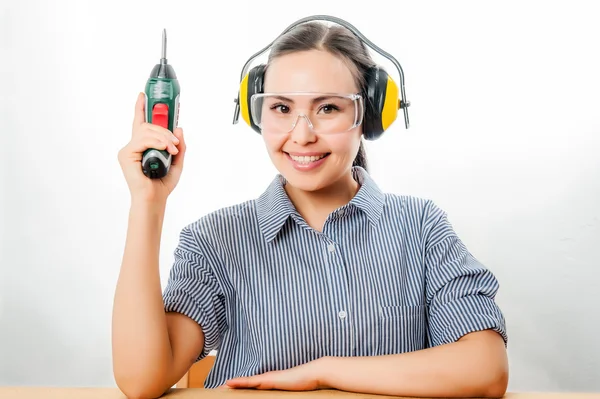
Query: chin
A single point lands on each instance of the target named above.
(304, 183)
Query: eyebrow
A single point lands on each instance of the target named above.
(314, 100)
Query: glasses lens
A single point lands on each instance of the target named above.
(323, 113)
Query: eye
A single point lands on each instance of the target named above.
(329, 108)
(284, 109)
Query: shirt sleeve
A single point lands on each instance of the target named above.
(460, 290)
(193, 290)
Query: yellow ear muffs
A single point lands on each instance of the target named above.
(381, 103)
(251, 84)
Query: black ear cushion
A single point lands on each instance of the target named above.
(256, 78)
(376, 84)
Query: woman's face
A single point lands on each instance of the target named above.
(310, 159)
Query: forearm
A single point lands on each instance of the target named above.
(141, 348)
(474, 366)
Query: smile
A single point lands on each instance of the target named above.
(308, 159)
(305, 163)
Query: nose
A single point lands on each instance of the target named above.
(302, 132)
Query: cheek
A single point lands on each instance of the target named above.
(344, 145)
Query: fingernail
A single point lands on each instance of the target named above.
(175, 139)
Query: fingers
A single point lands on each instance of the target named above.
(156, 140)
(140, 107)
(149, 126)
(243, 382)
(146, 129)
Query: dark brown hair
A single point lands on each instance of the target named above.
(337, 40)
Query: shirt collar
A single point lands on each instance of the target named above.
(274, 206)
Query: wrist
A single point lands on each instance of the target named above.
(151, 205)
(146, 221)
(149, 211)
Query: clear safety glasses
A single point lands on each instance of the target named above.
(324, 113)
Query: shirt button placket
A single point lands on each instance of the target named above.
(339, 285)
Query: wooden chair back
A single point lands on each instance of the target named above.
(195, 377)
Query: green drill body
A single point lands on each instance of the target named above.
(162, 108)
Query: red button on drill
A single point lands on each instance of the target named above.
(160, 115)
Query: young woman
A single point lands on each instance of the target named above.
(324, 281)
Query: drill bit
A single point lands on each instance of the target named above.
(163, 59)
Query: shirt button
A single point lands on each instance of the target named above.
(331, 247)
(342, 314)
(340, 213)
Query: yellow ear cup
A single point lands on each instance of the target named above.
(244, 100)
(381, 102)
(389, 113)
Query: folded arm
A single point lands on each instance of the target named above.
(474, 366)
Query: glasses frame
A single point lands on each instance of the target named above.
(357, 98)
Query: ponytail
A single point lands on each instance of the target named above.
(361, 157)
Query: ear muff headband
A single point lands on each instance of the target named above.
(381, 103)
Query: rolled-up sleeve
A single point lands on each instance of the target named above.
(460, 290)
(193, 290)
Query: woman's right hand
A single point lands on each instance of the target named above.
(146, 135)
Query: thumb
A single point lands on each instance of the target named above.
(140, 108)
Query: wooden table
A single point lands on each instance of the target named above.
(199, 393)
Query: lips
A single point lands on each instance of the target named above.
(307, 161)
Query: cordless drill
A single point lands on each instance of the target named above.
(162, 109)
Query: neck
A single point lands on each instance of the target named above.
(315, 206)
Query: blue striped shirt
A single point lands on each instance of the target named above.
(387, 275)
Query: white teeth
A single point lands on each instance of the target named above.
(306, 159)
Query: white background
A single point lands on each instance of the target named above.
(504, 135)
